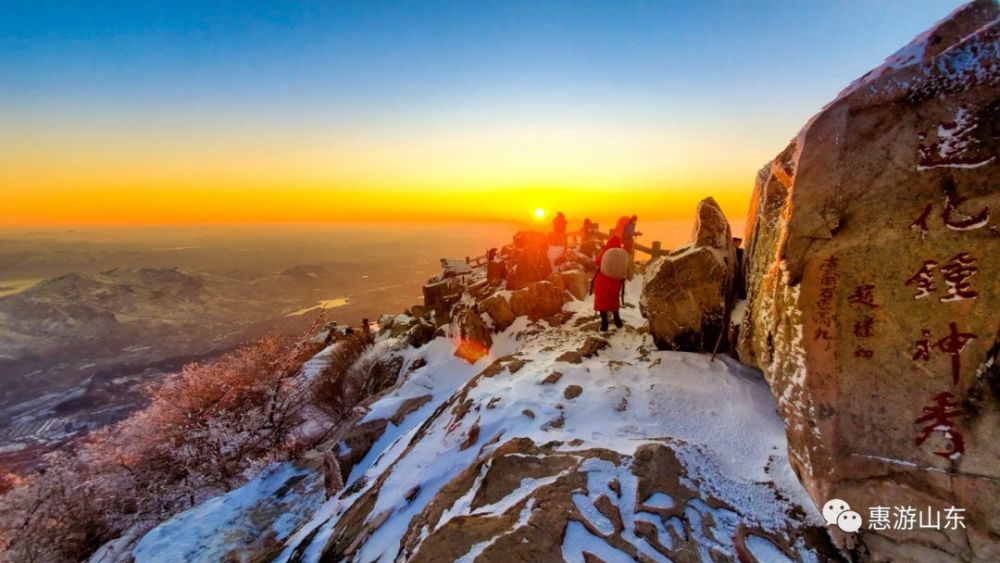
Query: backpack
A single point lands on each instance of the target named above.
(614, 263)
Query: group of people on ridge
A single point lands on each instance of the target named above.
(615, 263)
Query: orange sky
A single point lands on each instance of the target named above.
(193, 207)
(165, 176)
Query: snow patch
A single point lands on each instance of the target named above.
(206, 532)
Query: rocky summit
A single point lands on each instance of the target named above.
(558, 445)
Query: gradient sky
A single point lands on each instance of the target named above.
(135, 112)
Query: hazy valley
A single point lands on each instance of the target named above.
(88, 320)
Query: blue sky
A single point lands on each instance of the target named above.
(737, 76)
(369, 53)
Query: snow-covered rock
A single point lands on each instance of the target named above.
(556, 445)
(498, 309)
(238, 526)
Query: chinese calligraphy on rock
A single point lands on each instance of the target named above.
(956, 274)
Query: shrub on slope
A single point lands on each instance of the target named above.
(345, 380)
(207, 430)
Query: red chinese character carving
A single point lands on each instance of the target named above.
(923, 350)
(953, 344)
(956, 275)
(824, 335)
(951, 202)
(953, 218)
(863, 353)
(924, 278)
(955, 145)
(864, 328)
(829, 269)
(863, 295)
(940, 417)
(920, 225)
(823, 315)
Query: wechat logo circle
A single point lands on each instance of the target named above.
(838, 513)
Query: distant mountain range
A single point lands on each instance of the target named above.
(76, 351)
(89, 319)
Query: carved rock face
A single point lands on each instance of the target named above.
(872, 256)
(684, 293)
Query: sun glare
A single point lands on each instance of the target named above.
(539, 213)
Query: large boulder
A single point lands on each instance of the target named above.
(420, 333)
(557, 280)
(537, 300)
(711, 229)
(871, 260)
(577, 283)
(498, 309)
(529, 259)
(684, 298)
(685, 293)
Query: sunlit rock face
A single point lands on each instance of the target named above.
(871, 263)
(537, 300)
(684, 294)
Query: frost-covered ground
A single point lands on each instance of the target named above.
(581, 412)
(268, 508)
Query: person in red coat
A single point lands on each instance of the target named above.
(607, 290)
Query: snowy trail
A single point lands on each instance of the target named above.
(542, 383)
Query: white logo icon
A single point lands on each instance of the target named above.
(832, 509)
(849, 521)
(838, 512)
